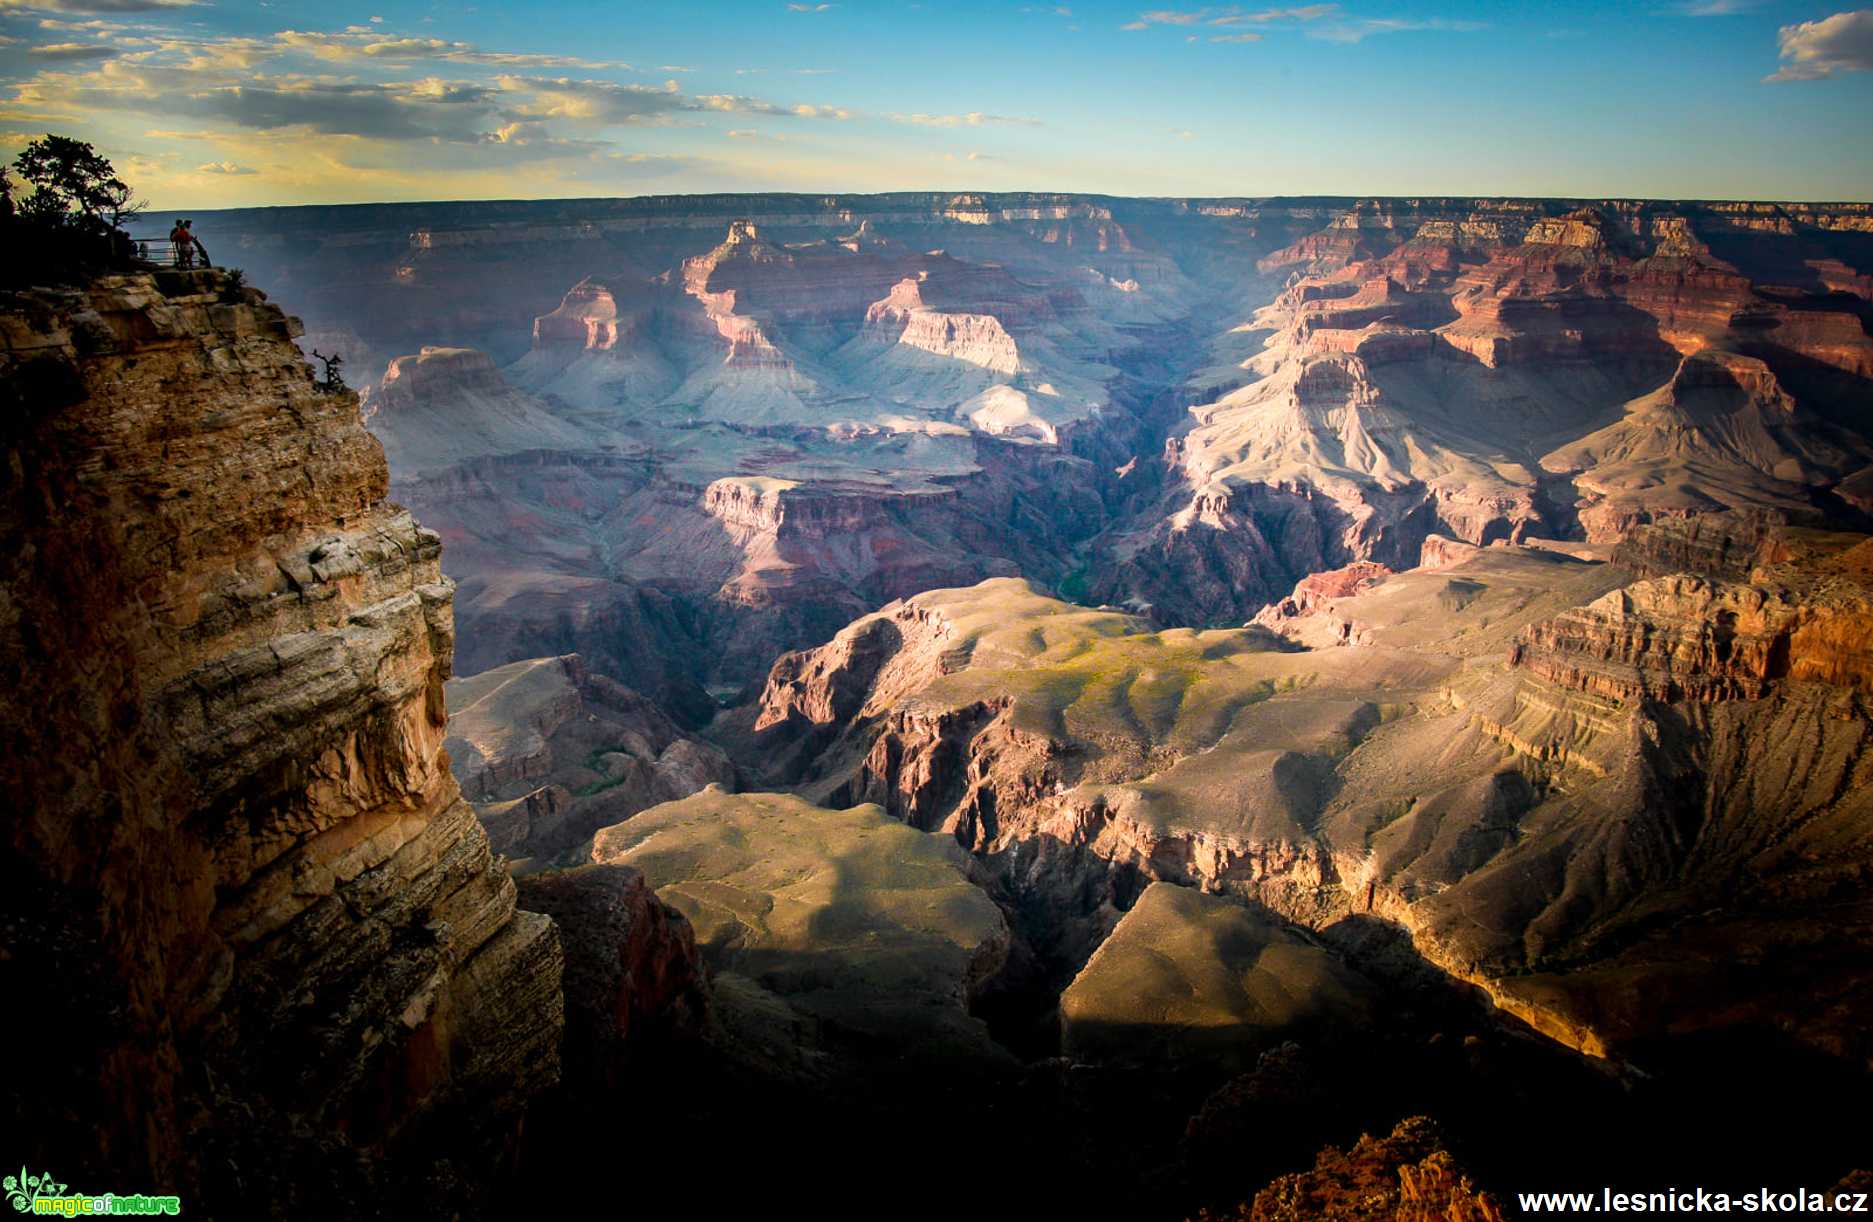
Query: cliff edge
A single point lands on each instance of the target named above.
(259, 949)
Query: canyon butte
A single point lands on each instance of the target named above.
(1039, 705)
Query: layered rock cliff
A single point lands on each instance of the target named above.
(279, 969)
(1423, 374)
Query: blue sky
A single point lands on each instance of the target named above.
(244, 103)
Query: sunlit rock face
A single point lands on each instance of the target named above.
(1499, 377)
(289, 969)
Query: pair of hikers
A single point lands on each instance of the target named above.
(186, 244)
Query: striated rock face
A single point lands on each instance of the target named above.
(1417, 376)
(1672, 638)
(902, 317)
(228, 807)
(448, 405)
(1722, 433)
(1805, 617)
(549, 753)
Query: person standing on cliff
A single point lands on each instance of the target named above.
(184, 243)
(195, 244)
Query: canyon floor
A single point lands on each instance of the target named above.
(1049, 704)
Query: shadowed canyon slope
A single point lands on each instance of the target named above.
(712, 428)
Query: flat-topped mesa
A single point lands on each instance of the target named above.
(1585, 228)
(979, 339)
(232, 814)
(805, 511)
(436, 373)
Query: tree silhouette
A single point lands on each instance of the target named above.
(334, 380)
(74, 185)
(67, 227)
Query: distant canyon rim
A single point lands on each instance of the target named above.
(681, 435)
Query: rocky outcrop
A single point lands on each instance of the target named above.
(1728, 546)
(1671, 638)
(1407, 1176)
(633, 981)
(550, 752)
(225, 652)
(1314, 591)
(1722, 433)
(974, 339)
(1806, 617)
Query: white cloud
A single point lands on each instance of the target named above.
(68, 51)
(1232, 15)
(224, 167)
(804, 111)
(974, 118)
(1366, 27)
(1815, 50)
(361, 43)
(808, 8)
(1236, 38)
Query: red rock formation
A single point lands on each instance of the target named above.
(1670, 638)
(1440, 552)
(1316, 589)
(1406, 1176)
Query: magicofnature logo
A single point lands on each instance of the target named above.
(42, 1195)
